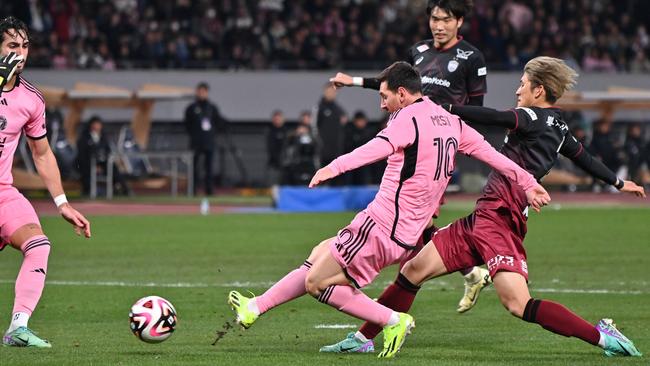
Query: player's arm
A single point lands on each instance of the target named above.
(574, 150)
(374, 150)
(45, 163)
(341, 79)
(399, 134)
(476, 100)
(473, 144)
(484, 115)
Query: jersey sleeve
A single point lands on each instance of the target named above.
(35, 127)
(573, 149)
(473, 144)
(477, 76)
(400, 131)
(370, 152)
(527, 120)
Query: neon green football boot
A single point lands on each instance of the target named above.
(239, 304)
(394, 335)
(24, 337)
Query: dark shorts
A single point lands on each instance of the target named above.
(484, 237)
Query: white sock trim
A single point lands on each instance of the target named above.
(360, 337)
(601, 341)
(394, 319)
(18, 320)
(252, 306)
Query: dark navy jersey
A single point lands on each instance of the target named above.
(451, 75)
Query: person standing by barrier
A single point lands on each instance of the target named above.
(202, 119)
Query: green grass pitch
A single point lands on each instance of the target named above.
(595, 261)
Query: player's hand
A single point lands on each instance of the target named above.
(538, 197)
(8, 66)
(633, 188)
(341, 80)
(321, 175)
(80, 223)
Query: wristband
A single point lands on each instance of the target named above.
(59, 200)
(357, 81)
(619, 184)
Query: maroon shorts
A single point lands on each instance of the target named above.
(484, 237)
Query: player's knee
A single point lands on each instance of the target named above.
(312, 286)
(514, 305)
(416, 270)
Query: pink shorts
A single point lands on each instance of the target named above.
(15, 211)
(362, 249)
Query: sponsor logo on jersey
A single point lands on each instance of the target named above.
(452, 65)
(530, 112)
(436, 81)
(422, 48)
(419, 60)
(482, 71)
(3, 123)
(463, 54)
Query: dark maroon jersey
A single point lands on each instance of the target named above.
(539, 135)
(451, 75)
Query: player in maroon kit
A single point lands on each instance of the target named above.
(493, 234)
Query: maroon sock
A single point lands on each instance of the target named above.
(399, 296)
(560, 320)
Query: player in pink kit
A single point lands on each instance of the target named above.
(22, 108)
(420, 142)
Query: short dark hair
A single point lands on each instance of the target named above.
(203, 85)
(457, 8)
(360, 115)
(94, 118)
(14, 23)
(401, 74)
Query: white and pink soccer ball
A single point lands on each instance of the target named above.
(153, 319)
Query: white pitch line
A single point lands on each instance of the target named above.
(335, 326)
(266, 284)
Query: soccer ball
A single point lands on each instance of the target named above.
(152, 319)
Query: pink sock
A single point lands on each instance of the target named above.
(288, 288)
(31, 278)
(354, 302)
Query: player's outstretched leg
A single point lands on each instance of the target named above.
(475, 280)
(398, 296)
(351, 344)
(394, 335)
(613, 341)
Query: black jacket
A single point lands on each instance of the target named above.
(202, 120)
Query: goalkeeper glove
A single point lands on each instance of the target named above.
(8, 66)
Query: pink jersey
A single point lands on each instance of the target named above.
(21, 109)
(421, 141)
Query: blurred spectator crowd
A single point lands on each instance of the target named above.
(593, 35)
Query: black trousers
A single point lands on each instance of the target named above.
(208, 157)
